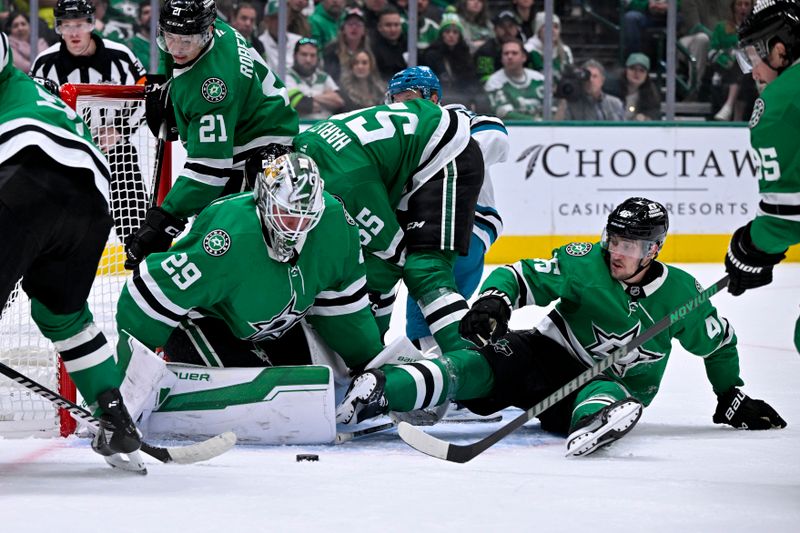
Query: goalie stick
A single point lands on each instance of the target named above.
(191, 453)
(461, 453)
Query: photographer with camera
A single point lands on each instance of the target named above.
(582, 96)
(515, 92)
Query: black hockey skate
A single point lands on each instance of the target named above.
(604, 427)
(117, 433)
(364, 398)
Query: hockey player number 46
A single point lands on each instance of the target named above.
(183, 274)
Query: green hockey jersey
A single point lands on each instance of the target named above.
(227, 105)
(374, 159)
(775, 136)
(221, 269)
(32, 116)
(595, 314)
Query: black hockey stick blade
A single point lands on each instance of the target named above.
(461, 453)
(343, 437)
(191, 453)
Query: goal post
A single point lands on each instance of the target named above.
(116, 118)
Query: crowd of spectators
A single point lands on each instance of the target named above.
(488, 54)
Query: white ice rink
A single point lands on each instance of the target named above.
(676, 471)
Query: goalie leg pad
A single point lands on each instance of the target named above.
(275, 405)
(146, 375)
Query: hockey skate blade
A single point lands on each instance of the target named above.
(421, 441)
(621, 422)
(203, 451)
(133, 463)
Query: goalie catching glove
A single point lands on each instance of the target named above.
(487, 320)
(746, 265)
(155, 235)
(737, 409)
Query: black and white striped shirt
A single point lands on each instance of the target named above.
(111, 63)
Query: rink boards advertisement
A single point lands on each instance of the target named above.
(560, 182)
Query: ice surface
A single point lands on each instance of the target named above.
(676, 471)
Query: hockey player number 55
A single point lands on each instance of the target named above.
(386, 129)
(182, 273)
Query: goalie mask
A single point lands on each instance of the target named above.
(288, 195)
(637, 228)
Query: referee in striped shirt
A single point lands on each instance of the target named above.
(82, 56)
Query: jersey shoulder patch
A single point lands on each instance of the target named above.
(578, 249)
(217, 242)
(214, 90)
(758, 110)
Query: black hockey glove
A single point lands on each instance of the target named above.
(51, 86)
(158, 106)
(155, 235)
(487, 321)
(262, 159)
(746, 265)
(737, 409)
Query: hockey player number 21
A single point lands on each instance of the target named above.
(181, 272)
(208, 129)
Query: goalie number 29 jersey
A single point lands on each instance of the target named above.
(221, 269)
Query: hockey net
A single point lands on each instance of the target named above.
(115, 115)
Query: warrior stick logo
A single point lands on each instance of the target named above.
(214, 90)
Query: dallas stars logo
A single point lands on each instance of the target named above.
(217, 242)
(279, 324)
(214, 90)
(606, 343)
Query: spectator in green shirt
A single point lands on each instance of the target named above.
(325, 21)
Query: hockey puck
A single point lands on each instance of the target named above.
(307, 457)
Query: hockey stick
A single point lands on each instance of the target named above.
(345, 436)
(155, 183)
(461, 453)
(191, 453)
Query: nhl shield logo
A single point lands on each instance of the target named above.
(758, 110)
(579, 249)
(217, 242)
(214, 90)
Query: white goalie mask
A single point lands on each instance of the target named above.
(288, 195)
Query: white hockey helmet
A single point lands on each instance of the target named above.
(288, 195)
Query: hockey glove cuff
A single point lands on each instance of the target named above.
(487, 320)
(158, 106)
(737, 409)
(155, 235)
(746, 265)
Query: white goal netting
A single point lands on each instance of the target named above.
(115, 115)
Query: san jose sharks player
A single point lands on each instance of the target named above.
(492, 137)
(608, 292)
